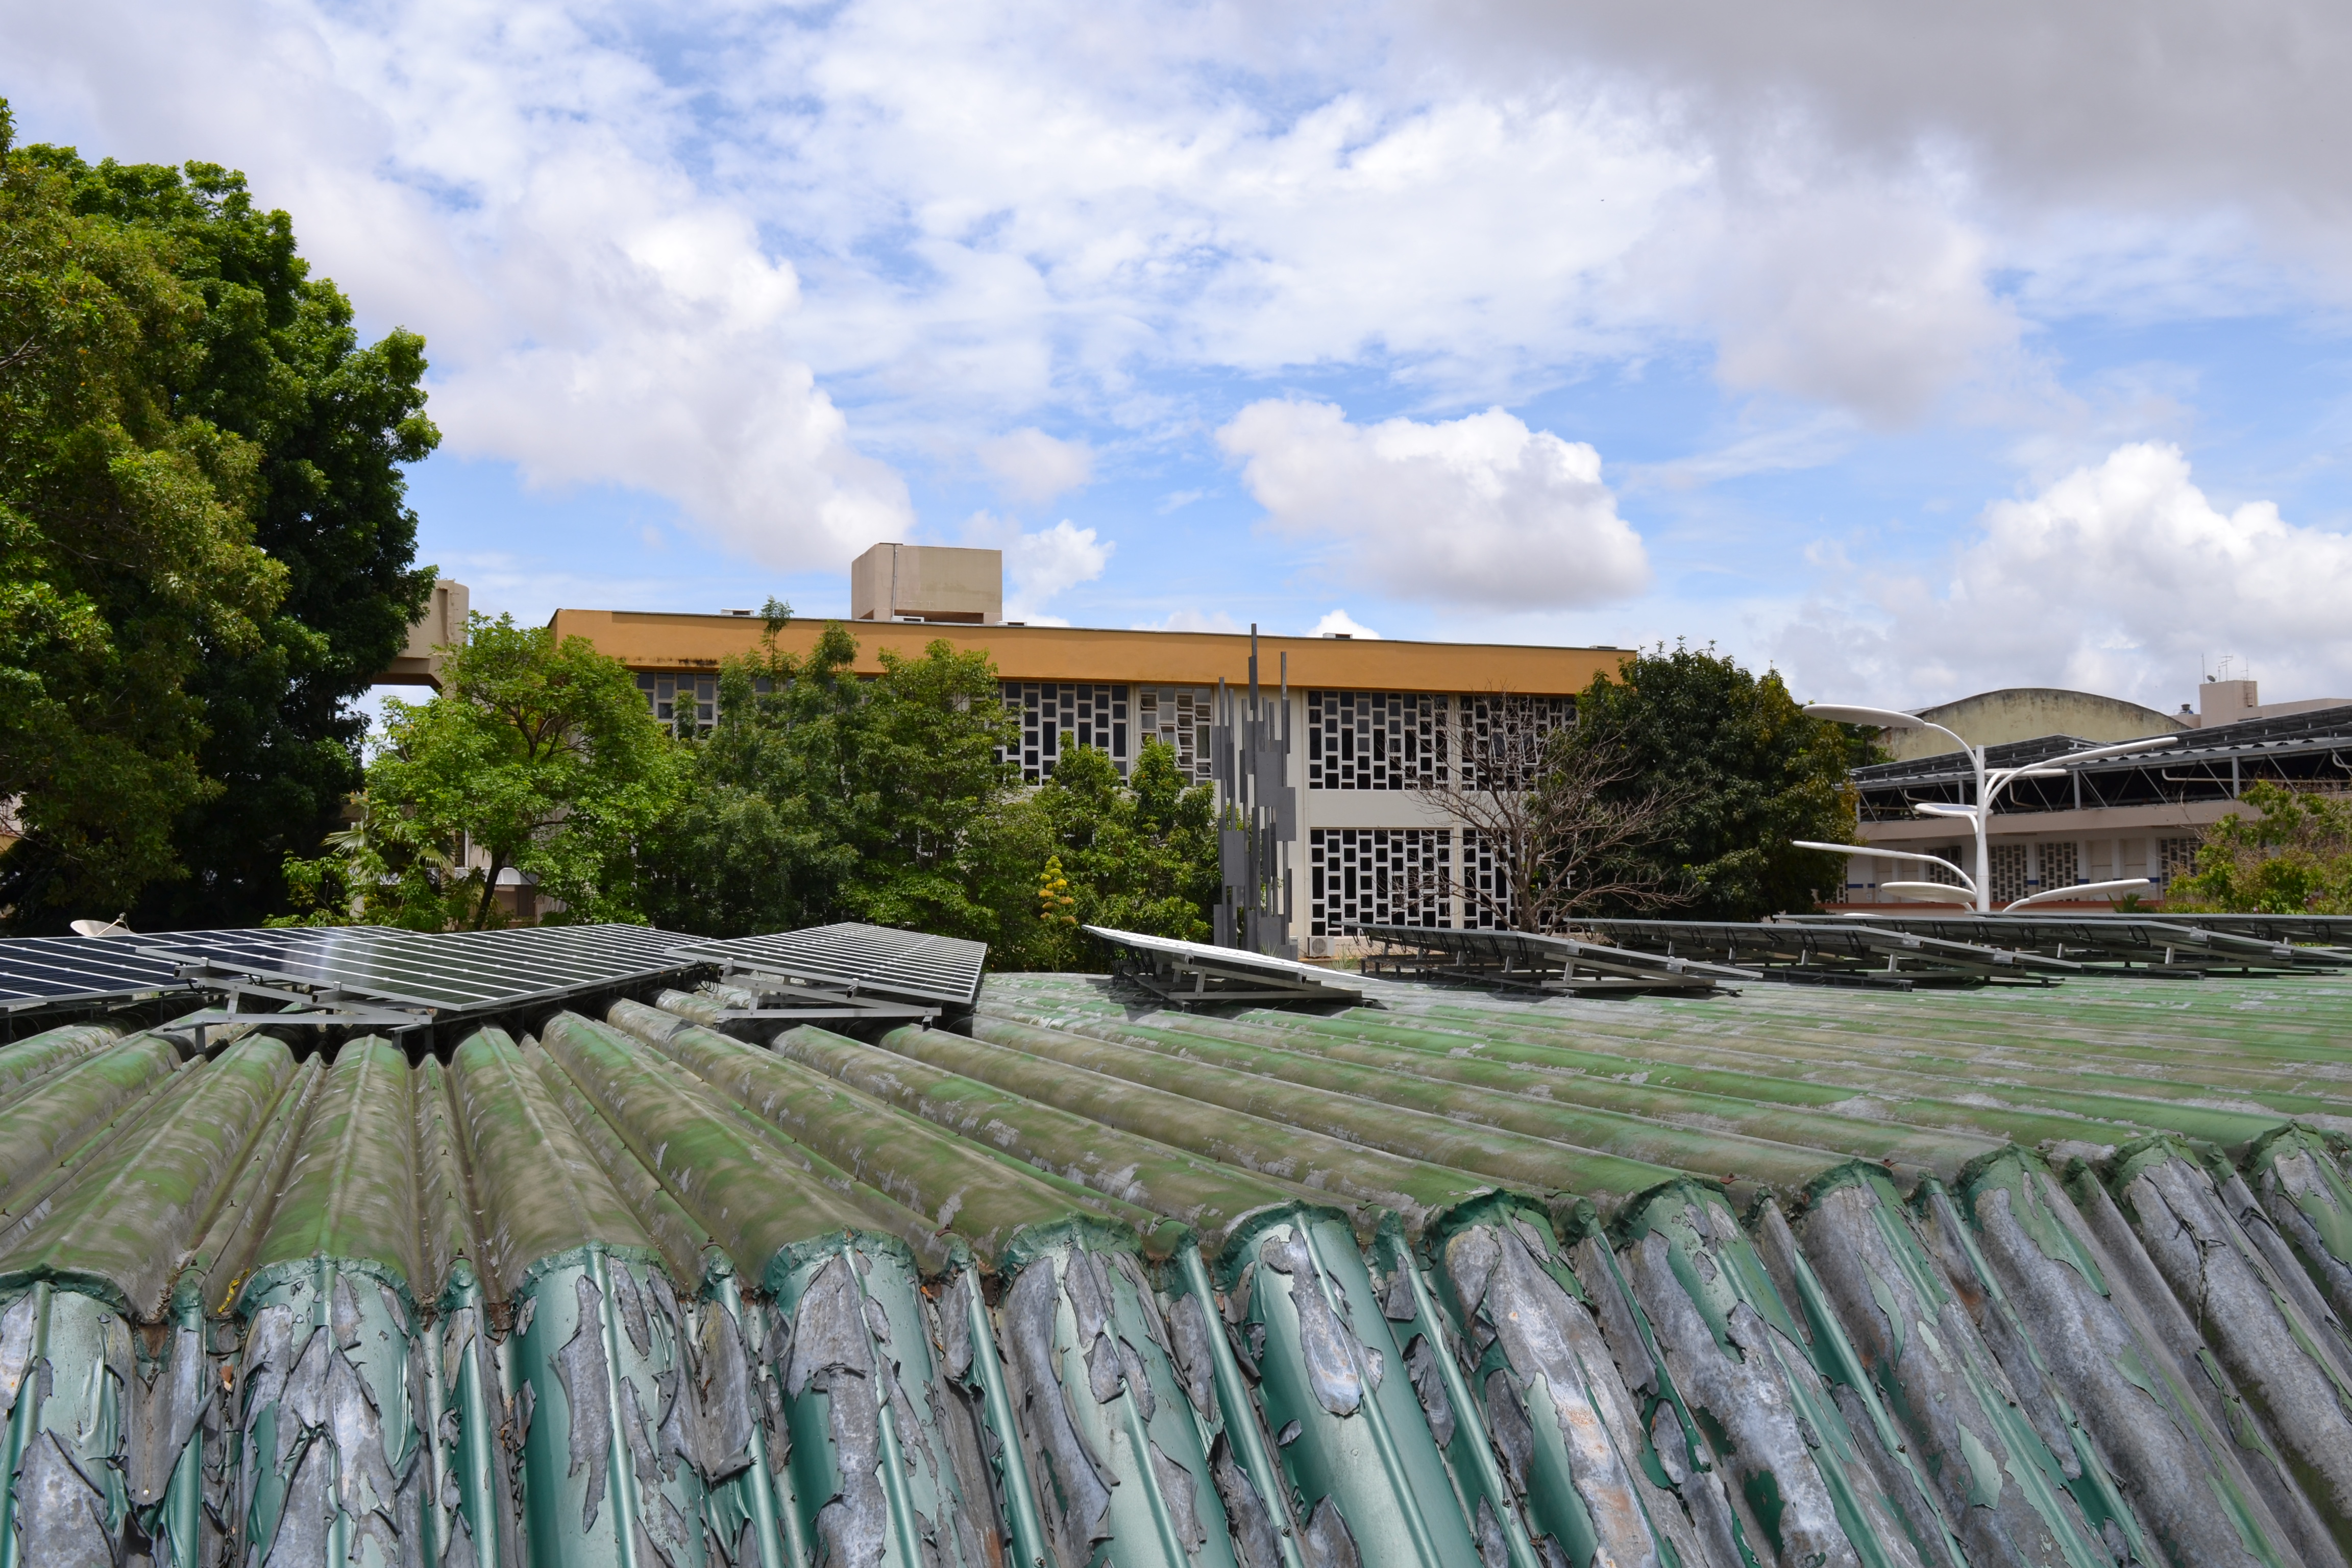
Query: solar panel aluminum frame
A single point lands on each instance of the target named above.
(2116, 944)
(857, 963)
(1842, 952)
(43, 974)
(1195, 974)
(1544, 963)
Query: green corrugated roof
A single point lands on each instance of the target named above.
(2004, 1276)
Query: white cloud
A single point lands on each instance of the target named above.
(2119, 578)
(1194, 620)
(1341, 623)
(1480, 511)
(1040, 566)
(1032, 466)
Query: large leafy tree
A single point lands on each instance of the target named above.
(536, 756)
(1746, 771)
(126, 553)
(271, 356)
(819, 795)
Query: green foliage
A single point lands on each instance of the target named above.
(1750, 772)
(1135, 856)
(2294, 856)
(127, 556)
(542, 756)
(216, 743)
(819, 796)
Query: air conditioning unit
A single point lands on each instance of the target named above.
(1318, 947)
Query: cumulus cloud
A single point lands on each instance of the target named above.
(1193, 620)
(1480, 511)
(1032, 466)
(2121, 577)
(1339, 622)
(1040, 566)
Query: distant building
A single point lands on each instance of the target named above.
(2137, 815)
(1371, 720)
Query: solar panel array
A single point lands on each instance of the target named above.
(2132, 942)
(1555, 961)
(448, 972)
(864, 958)
(49, 971)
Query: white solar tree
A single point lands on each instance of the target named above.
(1990, 785)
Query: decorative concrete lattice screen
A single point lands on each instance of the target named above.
(1376, 740)
(2008, 872)
(1485, 883)
(1955, 853)
(2061, 867)
(1058, 714)
(1181, 716)
(1378, 876)
(1503, 735)
(2175, 857)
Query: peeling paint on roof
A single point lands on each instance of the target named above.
(1444, 1280)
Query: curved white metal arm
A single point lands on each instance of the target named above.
(1933, 892)
(1966, 880)
(2080, 890)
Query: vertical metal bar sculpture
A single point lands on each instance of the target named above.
(1257, 820)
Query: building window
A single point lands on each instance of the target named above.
(1057, 714)
(1378, 876)
(1179, 716)
(2174, 858)
(2061, 866)
(681, 703)
(1504, 737)
(2008, 872)
(1376, 740)
(1943, 874)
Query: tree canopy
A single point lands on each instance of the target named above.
(176, 389)
(538, 756)
(2291, 856)
(1750, 772)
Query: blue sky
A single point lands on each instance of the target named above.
(1914, 354)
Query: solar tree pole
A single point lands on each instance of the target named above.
(1990, 785)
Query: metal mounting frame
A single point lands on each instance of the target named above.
(796, 999)
(1555, 965)
(1194, 975)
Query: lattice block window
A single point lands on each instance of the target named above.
(2062, 865)
(1179, 716)
(1375, 740)
(2175, 857)
(2008, 872)
(1378, 876)
(1955, 853)
(1058, 714)
(1485, 883)
(681, 700)
(1503, 737)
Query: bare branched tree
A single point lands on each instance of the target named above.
(1556, 817)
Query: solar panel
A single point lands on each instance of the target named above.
(2132, 942)
(1840, 950)
(49, 971)
(1219, 974)
(1559, 963)
(446, 972)
(877, 960)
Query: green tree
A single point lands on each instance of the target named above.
(126, 552)
(821, 797)
(2292, 857)
(276, 359)
(1138, 855)
(1748, 771)
(540, 756)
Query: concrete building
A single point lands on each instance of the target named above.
(2028, 712)
(928, 582)
(2138, 816)
(1373, 721)
(442, 625)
